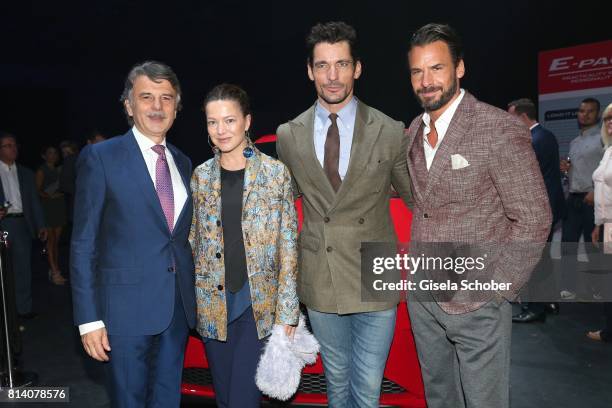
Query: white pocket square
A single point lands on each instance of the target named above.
(458, 162)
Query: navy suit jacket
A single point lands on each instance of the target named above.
(30, 201)
(124, 259)
(547, 152)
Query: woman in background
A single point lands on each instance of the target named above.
(243, 237)
(602, 178)
(54, 208)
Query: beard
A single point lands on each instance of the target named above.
(434, 104)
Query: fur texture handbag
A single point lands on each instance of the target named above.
(280, 366)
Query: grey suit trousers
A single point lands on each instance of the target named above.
(465, 358)
(20, 254)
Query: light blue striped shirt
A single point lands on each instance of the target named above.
(346, 126)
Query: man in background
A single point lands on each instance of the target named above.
(22, 217)
(546, 149)
(585, 153)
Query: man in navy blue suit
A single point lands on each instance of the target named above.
(132, 267)
(546, 149)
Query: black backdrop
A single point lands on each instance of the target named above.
(62, 64)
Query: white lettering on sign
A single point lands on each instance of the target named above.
(559, 64)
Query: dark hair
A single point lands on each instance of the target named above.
(156, 72)
(592, 100)
(70, 144)
(228, 92)
(6, 135)
(433, 32)
(92, 134)
(525, 106)
(44, 149)
(332, 32)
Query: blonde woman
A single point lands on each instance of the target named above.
(602, 178)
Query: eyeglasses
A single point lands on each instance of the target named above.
(607, 119)
(341, 65)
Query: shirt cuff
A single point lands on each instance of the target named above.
(89, 327)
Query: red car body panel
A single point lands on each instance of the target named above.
(402, 370)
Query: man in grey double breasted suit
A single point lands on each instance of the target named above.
(344, 156)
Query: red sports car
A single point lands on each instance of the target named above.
(402, 384)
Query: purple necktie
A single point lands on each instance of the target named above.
(163, 185)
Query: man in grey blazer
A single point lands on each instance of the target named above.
(22, 217)
(344, 156)
(476, 180)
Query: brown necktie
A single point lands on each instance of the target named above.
(332, 153)
(432, 136)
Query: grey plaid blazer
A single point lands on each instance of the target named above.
(497, 200)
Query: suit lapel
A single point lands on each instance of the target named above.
(417, 165)
(138, 168)
(458, 127)
(213, 191)
(304, 142)
(250, 175)
(365, 135)
(24, 190)
(183, 169)
(2, 196)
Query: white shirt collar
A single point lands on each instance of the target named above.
(534, 125)
(447, 115)
(6, 167)
(144, 143)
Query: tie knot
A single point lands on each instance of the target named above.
(333, 117)
(160, 149)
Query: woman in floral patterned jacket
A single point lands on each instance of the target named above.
(243, 237)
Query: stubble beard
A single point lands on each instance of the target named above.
(336, 101)
(434, 105)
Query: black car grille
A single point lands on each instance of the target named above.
(197, 376)
(310, 383)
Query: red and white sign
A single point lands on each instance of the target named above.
(576, 68)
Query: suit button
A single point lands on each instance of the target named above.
(329, 249)
(326, 219)
(171, 269)
(361, 220)
(425, 215)
(220, 287)
(218, 223)
(218, 255)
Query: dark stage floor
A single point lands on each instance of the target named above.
(553, 364)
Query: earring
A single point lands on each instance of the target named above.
(214, 148)
(248, 151)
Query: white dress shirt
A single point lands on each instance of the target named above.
(10, 185)
(150, 157)
(180, 193)
(441, 124)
